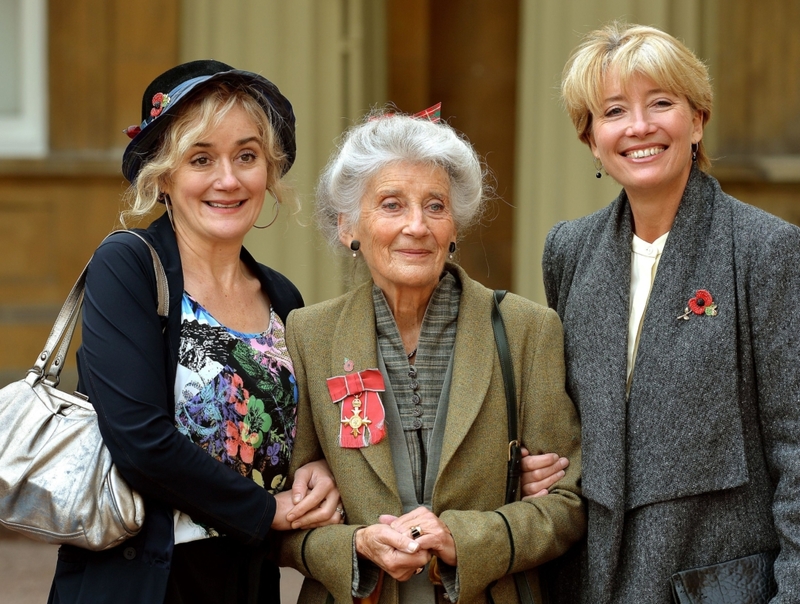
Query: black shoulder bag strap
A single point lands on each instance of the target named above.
(514, 454)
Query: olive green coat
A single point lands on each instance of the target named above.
(472, 473)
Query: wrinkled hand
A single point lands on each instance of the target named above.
(540, 472)
(396, 553)
(434, 534)
(312, 502)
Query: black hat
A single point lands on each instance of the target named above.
(168, 91)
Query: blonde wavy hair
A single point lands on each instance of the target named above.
(195, 119)
(631, 50)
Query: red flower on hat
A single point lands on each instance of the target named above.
(160, 102)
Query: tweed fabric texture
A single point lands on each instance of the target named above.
(470, 485)
(436, 340)
(703, 463)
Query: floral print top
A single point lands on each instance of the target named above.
(236, 398)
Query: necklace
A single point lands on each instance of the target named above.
(411, 354)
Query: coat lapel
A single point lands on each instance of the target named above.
(470, 381)
(596, 352)
(595, 349)
(354, 340)
(662, 419)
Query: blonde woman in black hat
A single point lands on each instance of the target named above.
(197, 410)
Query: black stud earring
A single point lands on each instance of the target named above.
(355, 245)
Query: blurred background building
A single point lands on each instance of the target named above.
(72, 73)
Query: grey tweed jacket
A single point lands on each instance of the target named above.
(702, 463)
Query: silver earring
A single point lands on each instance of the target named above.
(163, 197)
(695, 147)
(277, 208)
(598, 166)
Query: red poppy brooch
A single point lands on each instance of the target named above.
(700, 304)
(160, 102)
(362, 421)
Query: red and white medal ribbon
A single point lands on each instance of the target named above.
(362, 414)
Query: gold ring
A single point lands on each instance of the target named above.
(416, 532)
(340, 509)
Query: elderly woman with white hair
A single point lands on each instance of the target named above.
(401, 390)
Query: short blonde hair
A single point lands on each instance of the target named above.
(198, 117)
(631, 50)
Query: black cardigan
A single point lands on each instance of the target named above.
(126, 365)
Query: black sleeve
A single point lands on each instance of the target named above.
(123, 369)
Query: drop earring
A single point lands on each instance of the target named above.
(695, 147)
(452, 249)
(598, 166)
(355, 245)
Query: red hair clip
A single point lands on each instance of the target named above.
(432, 113)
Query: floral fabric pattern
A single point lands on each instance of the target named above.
(236, 398)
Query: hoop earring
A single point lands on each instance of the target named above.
(695, 147)
(355, 245)
(276, 208)
(598, 166)
(163, 197)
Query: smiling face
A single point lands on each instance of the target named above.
(219, 186)
(643, 136)
(405, 228)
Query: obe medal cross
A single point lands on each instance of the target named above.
(355, 421)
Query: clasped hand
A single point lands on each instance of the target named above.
(391, 545)
(312, 502)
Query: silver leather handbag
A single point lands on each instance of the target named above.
(57, 481)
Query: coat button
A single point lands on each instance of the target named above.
(446, 596)
(129, 553)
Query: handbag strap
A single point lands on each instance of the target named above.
(514, 454)
(48, 366)
(504, 353)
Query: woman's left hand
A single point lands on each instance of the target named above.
(315, 497)
(540, 472)
(433, 533)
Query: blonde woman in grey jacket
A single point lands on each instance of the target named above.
(681, 320)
